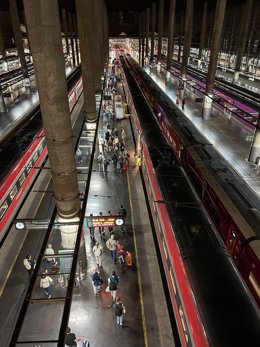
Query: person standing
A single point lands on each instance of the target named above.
(98, 250)
(110, 228)
(49, 262)
(29, 264)
(101, 228)
(112, 246)
(45, 283)
(106, 163)
(79, 155)
(113, 282)
(183, 103)
(119, 309)
(122, 212)
(71, 339)
(91, 227)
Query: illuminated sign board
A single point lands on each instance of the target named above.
(106, 221)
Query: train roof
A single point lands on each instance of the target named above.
(240, 196)
(228, 312)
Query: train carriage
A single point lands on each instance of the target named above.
(211, 304)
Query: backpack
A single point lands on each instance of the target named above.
(27, 264)
(113, 283)
(118, 310)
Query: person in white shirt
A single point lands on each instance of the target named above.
(45, 283)
(98, 251)
(49, 262)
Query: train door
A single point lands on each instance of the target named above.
(231, 240)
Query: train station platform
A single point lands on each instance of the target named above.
(230, 137)
(17, 111)
(92, 318)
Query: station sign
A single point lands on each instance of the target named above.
(105, 221)
(29, 224)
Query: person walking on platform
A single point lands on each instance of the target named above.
(113, 282)
(49, 262)
(91, 227)
(183, 103)
(79, 155)
(101, 228)
(45, 283)
(106, 163)
(112, 246)
(98, 251)
(110, 228)
(96, 281)
(29, 264)
(71, 339)
(122, 212)
(119, 309)
(100, 162)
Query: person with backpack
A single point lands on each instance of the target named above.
(29, 264)
(113, 282)
(119, 309)
(96, 281)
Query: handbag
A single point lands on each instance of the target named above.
(124, 310)
(107, 289)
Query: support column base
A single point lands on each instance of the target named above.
(236, 76)
(206, 109)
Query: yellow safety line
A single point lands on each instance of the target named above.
(138, 269)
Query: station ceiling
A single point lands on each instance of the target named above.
(122, 14)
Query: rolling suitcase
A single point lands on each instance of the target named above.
(129, 259)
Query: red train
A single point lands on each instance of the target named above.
(211, 305)
(232, 206)
(18, 180)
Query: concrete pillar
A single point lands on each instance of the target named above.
(100, 43)
(203, 30)
(216, 41)
(18, 35)
(75, 30)
(2, 102)
(106, 31)
(71, 39)
(180, 35)
(2, 42)
(45, 37)
(140, 37)
(147, 29)
(152, 28)
(87, 40)
(255, 147)
(143, 37)
(243, 36)
(170, 33)
(160, 29)
(65, 30)
(187, 38)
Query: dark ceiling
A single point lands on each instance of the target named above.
(127, 5)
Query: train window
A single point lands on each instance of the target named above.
(35, 157)
(13, 192)
(3, 209)
(254, 283)
(29, 167)
(173, 281)
(40, 148)
(183, 323)
(22, 179)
